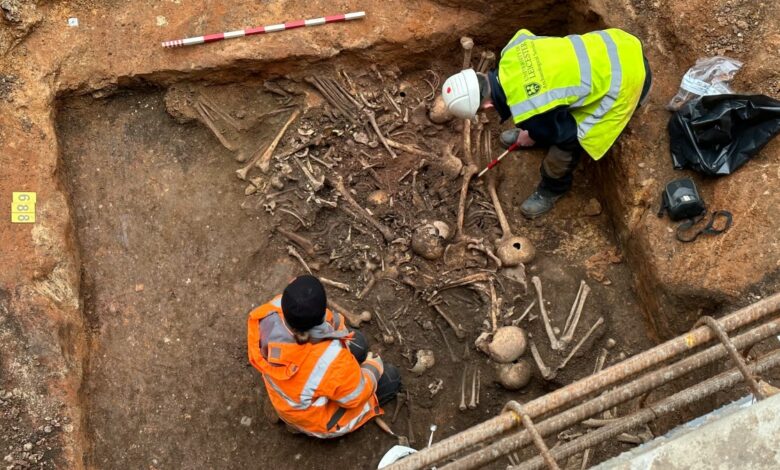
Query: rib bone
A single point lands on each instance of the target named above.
(554, 343)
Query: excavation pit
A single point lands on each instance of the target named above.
(143, 362)
(176, 250)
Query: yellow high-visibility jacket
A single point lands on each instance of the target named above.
(598, 75)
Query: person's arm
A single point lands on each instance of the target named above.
(550, 128)
(353, 383)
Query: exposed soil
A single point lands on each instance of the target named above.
(159, 199)
(123, 309)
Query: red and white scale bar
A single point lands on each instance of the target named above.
(264, 29)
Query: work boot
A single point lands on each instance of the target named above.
(538, 203)
(509, 137)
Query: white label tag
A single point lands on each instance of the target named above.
(694, 85)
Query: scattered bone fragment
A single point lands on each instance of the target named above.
(459, 332)
(435, 387)
(425, 360)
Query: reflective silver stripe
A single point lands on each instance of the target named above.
(545, 98)
(347, 427)
(586, 71)
(371, 368)
(515, 42)
(616, 81)
(582, 91)
(355, 393)
(336, 320)
(321, 401)
(318, 373)
(290, 401)
(277, 301)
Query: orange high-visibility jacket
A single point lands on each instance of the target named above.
(317, 387)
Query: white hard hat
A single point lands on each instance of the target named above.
(461, 94)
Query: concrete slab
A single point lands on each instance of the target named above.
(742, 435)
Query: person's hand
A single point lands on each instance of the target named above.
(373, 357)
(524, 139)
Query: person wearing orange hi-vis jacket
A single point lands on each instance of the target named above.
(319, 375)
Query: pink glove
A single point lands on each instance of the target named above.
(524, 139)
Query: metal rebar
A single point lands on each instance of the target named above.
(662, 407)
(739, 361)
(594, 383)
(577, 390)
(613, 397)
(516, 408)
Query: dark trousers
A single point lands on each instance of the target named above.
(390, 382)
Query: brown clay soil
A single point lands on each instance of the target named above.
(123, 310)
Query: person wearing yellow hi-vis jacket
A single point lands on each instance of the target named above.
(568, 93)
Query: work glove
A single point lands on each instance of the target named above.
(524, 139)
(376, 360)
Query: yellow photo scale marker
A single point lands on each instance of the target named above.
(23, 208)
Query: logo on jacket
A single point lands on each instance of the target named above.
(532, 89)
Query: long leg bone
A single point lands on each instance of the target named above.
(547, 373)
(210, 124)
(299, 240)
(265, 156)
(265, 159)
(554, 343)
(487, 63)
(593, 328)
(353, 320)
(447, 343)
(209, 105)
(512, 250)
(336, 284)
(462, 406)
(469, 170)
(467, 44)
(574, 306)
(338, 185)
(568, 334)
(473, 402)
(479, 383)
(369, 284)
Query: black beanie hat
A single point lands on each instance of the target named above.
(303, 303)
